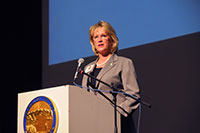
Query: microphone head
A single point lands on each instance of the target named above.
(80, 60)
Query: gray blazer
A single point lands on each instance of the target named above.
(120, 72)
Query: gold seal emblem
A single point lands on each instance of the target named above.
(41, 116)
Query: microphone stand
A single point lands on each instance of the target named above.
(115, 111)
(114, 93)
(117, 91)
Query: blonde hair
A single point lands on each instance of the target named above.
(111, 33)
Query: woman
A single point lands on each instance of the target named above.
(112, 69)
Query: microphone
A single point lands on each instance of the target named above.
(80, 61)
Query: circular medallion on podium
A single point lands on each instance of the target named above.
(41, 116)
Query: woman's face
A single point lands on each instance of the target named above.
(102, 41)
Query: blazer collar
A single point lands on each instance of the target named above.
(107, 67)
(111, 63)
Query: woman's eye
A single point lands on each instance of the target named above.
(95, 37)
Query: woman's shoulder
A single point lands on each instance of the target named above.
(124, 59)
(125, 62)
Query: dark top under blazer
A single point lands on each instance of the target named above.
(121, 73)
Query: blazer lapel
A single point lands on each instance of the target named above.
(108, 66)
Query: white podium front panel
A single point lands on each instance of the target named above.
(79, 111)
(57, 94)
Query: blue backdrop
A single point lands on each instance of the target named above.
(136, 22)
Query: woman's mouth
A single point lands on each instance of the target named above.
(100, 45)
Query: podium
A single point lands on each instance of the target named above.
(76, 111)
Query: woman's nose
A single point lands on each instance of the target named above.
(100, 39)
